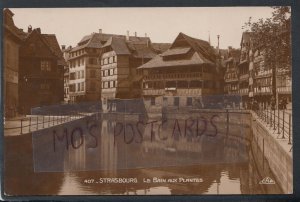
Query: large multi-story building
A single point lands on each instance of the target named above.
(41, 70)
(260, 82)
(84, 69)
(120, 56)
(244, 67)
(231, 77)
(66, 55)
(11, 44)
(188, 69)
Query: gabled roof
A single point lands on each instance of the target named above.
(202, 53)
(200, 46)
(51, 42)
(246, 36)
(141, 50)
(93, 40)
(54, 46)
(118, 45)
(137, 48)
(97, 40)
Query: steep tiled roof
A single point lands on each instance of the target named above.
(54, 46)
(118, 45)
(200, 46)
(176, 51)
(138, 47)
(203, 53)
(141, 50)
(158, 61)
(160, 47)
(97, 40)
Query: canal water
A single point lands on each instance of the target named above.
(133, 155)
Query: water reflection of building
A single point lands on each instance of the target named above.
(218, 161)
(109, 152)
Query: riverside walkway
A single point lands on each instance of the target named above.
(31, 123)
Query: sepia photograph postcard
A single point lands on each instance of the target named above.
(101, 101)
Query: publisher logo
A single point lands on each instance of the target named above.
(267, 180)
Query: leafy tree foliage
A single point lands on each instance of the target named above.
(273, 36)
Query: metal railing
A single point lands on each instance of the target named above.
(280, 121)
(38, 122)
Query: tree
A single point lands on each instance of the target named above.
(273, 35)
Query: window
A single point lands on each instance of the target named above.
(82, 74)
(176, 101)
(115, 71)
(115, 58)
(82, 86)
(45, 65)
(72, 76)
(111, 72)
(78, 86)
(105, 61)
(111, 60)
(189, 101)
(182, 84)
(195, 84)
(45, 86)
(72, 87)
(152, 100)
(171, 84)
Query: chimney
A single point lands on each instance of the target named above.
(127, 36)
(135, 34)
(100, 31)
(29, 29)
(218, 47)
(63, 47)
(38, 30)
(145, 34)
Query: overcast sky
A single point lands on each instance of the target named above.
(160, 24)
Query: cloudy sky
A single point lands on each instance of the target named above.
(161, 24)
